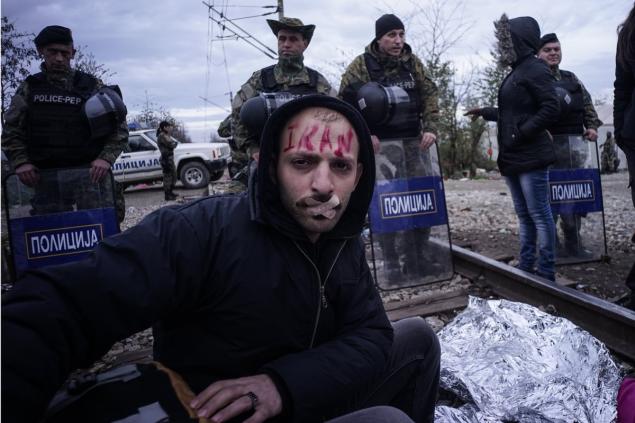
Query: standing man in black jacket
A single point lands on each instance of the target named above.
(580, 119)
(295, 330)
(527, 106)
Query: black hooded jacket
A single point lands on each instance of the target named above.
(233, 288)
(527, 101)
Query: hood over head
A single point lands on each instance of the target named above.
(266, 206)
(517, 39)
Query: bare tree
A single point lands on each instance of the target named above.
(18, 53)
(436, 27)
(85, 61)
(152, 114)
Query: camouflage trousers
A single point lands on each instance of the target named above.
(120, 202)
(169, 174)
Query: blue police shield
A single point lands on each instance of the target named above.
(409, 229)
(576, 201)
(60, 219)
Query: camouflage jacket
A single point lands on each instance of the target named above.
(14, 130)
(166, 145)
(247, 141)
(357, 74)
(590, 119)
(225, 127)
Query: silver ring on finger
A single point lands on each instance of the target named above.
(254, 399)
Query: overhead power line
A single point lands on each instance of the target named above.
(207, 100)
(229, 25)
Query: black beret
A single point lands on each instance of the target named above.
(53, 34)
(549, 38)
(385, 24)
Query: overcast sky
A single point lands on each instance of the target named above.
(170, 49)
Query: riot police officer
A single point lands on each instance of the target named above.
(61, 117)
(388, 63)
(289, 75)
(578, 118)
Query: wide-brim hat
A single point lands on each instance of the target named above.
(292, 24)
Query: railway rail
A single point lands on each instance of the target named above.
(610, 323)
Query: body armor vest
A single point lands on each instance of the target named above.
(408, 123)
(270, 85)
(58, 133)
(572, 122)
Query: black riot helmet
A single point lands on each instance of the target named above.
(255, 112)
(384, 106)
(105, 111)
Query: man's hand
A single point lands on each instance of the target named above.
(474, 114)
(376, 144)
(226, 399)
(98, 169)
(427, 139)
(28, 174)
(591, 134)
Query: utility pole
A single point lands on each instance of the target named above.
(280, 9)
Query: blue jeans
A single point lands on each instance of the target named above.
(530, 193)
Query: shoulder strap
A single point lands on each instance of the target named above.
(268, 79)
(375, 70)
(313, 77)
(84, 84)
(36, 79)
(566, 74)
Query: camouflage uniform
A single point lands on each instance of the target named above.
(15, 135)
(567, 157)
(357, 74)
(239, 158)
(610, 159)
(166, 147)
(400, 159)
(285, 76)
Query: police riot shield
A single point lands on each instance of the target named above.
(58, 220)
(576, 201)
(409, 231)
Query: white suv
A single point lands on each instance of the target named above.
(196, 163)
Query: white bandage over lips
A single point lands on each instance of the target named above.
(322, 208)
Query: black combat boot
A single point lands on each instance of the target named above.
(170, 196)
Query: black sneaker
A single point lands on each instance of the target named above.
(171, 197)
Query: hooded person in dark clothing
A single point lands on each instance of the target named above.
(293, 331)
(527, 106)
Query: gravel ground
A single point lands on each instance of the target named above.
(481, 218)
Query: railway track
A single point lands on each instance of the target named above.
(611, 324)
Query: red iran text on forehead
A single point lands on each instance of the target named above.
(343, 142)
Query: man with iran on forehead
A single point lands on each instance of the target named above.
(294, 331)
